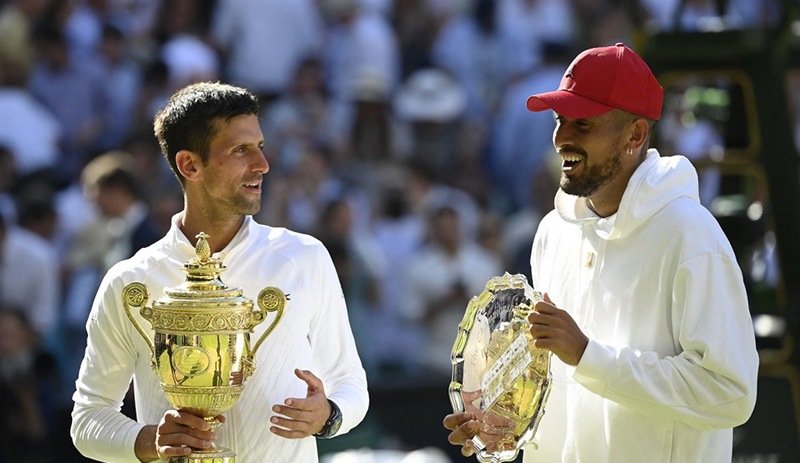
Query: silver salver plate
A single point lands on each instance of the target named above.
(498, 374)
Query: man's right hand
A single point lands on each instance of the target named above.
(464, 426)
(177, 434)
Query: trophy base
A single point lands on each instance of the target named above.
(219, 455)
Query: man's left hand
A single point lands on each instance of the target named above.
(555, 330)
(302, 417)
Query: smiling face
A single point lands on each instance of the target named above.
(229, 183)
(593, 160)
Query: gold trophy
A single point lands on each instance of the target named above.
(201, 347)
(498, 374)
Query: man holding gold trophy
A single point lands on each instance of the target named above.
(643, 307)
(204, 391)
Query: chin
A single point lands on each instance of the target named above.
(251, 211)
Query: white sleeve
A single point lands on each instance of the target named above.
(336, 359)
(99, 430)
(711, 383)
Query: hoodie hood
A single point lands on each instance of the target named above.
(655, 183)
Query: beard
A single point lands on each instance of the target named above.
(593, 177)
(236, 203)
(246, 206)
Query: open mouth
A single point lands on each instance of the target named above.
(569, 162)
(253, 186)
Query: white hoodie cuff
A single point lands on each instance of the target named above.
(595, 366)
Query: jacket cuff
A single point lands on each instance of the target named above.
(595, 366)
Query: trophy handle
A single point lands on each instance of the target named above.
(270, 299)
(136, 295)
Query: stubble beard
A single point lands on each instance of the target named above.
(593, 177)
(245, 206)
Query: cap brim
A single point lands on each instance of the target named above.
(567, 104)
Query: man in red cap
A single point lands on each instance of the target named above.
(645, 309)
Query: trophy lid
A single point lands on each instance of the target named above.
(202, 277)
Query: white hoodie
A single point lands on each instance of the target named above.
(671, 365)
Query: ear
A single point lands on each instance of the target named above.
(188, 164)
(639, 131)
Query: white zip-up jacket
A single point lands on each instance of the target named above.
(671, 365)
(314, 335)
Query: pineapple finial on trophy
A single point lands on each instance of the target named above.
(202, 249)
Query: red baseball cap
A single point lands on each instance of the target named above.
(600, 80)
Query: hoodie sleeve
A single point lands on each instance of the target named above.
(711, 383)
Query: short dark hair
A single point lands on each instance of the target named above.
(187, 121)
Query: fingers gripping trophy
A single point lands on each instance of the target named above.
(201, 347)
(499, 376)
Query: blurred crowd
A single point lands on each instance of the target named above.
(396, 133)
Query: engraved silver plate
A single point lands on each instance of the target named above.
(498, 374)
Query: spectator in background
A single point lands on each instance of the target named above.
(38, 216)
(43, 190)
(531, 22)
(468, 171)
(519, 226)
(122, 85)
(416, 25)
(302, 116)
(156, 181)
(73, 92)
(359, 266)
(489, 237)
(154, 92)
(122, 227)
(8, 177)
(481, 55)
(602, 22)
(263, 42)
(430, 107)
(710, 15)
(29, 276)
(426, 195)
(688, 130)
(298, 199)
(17, 20)
(83, 28)
(182, 31)
(29, 130)
(28, 382)
(519, 145)
(372, 126)
(136, 18)
(442, 278)
(57, 16)
(359, 41)
(398, 234)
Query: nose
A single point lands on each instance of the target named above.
(560, 135)
(262, 165)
